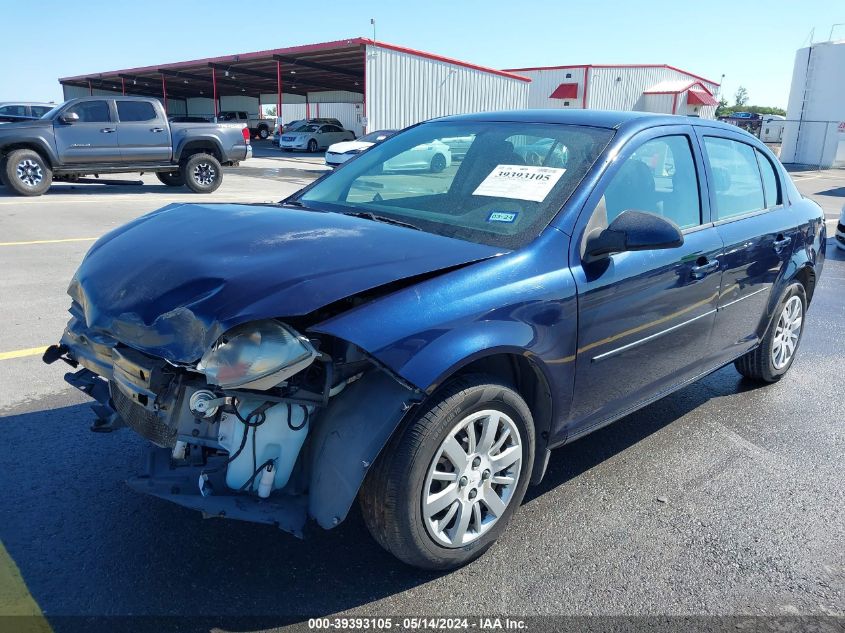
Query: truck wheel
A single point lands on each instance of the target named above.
(312, 146)
(446, 486)
(26, 173)
(438, 163)
(263, 132)
(203, 173)
(171, 178)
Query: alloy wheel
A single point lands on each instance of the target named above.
(787, 332)
(204, 174)
(472, 478)
(29, 172)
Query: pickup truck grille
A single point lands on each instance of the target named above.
(143, 421)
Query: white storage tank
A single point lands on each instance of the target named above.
(813, 131)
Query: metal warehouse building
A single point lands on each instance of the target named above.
(367, 85)
(814, 130)
(643, 87)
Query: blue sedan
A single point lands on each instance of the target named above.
(420, 341)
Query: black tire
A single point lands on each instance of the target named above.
(263, 132)
(759, 364)
(171, 178)
(438, 163)
(35, 177)
(391, 498)
(202, 172)
(3, 172)
(312, 146)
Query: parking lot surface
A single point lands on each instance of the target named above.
(723, 498)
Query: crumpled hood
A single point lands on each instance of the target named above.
(171, 282)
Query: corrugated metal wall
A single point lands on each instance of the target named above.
(336, 96)
(544, 83)
(349, 114)
(403, 89)
(656, 103)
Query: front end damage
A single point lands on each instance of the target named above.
(269, 426)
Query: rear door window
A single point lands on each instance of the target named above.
(92, 111)
(129, 111)
(40, 111)
(771, 184)
(735, 174)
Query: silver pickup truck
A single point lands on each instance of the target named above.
(105, 135)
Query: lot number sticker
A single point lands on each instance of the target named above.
(519, 182)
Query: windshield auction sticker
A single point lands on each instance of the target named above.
(520, 182)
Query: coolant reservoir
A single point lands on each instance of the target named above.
(275, 439)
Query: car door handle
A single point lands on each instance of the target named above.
(156, 129)
(108, 130)
(705, 268)
(781, 243)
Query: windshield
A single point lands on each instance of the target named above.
(308, 128)
(501, 187)
(377, 137)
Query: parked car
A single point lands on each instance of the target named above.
(434, 156)
(339, 153)
(257, 125)
(298, 123)
(458, 146)
(11, 112)
(188, 119)
(840, 230)
(314, 136)
(105, 135)
(420, 343)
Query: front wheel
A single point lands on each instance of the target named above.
(770, 360)
(171, 178)
(26, 173)
(203, 173)
(447, 485)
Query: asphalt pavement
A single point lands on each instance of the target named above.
(722, 499)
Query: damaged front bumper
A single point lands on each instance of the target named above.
(273, 458)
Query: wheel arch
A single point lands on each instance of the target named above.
(36, 147)
(201, 145)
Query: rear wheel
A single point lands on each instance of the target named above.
(263, 132)
(770, 360)
(26, 173)
(171, 178)
(203, 173)
(438, 163)
(312, 146)
(447, 485)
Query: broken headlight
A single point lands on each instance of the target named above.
(256, 355)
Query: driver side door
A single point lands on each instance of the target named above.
(644, 317)
(91, 139)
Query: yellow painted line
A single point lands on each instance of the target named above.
(21, 353)
(69, 239)
(16, 601)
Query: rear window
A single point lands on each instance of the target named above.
(736, 177)
(129, 111)
(502, 190)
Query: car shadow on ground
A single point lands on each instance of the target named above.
(88, 546)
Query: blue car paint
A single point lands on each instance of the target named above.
(171, 282)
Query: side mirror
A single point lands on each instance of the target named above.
(633, 231)
(69, 117)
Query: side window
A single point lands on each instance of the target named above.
(771, 184)
(135, 111)
(659, 177)
(15, 110)
(92, 111)
(40, 111)
(736, 177)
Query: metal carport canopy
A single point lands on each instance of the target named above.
(329, 66)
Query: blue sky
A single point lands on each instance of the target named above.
(752, 44)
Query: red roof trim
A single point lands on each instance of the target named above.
(675, 68)
(675, 92)
(292, 50)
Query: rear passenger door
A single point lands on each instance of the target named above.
(91, 139)
(758, 231)
(142, 132)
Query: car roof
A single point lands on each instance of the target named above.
(28, 103)
(610, 119)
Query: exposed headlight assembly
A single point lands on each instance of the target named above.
(257, 355)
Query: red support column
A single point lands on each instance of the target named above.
(278, 88)
(123, 86)
(214, 90)
(164, 92)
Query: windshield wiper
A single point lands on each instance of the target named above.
(369, 215)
